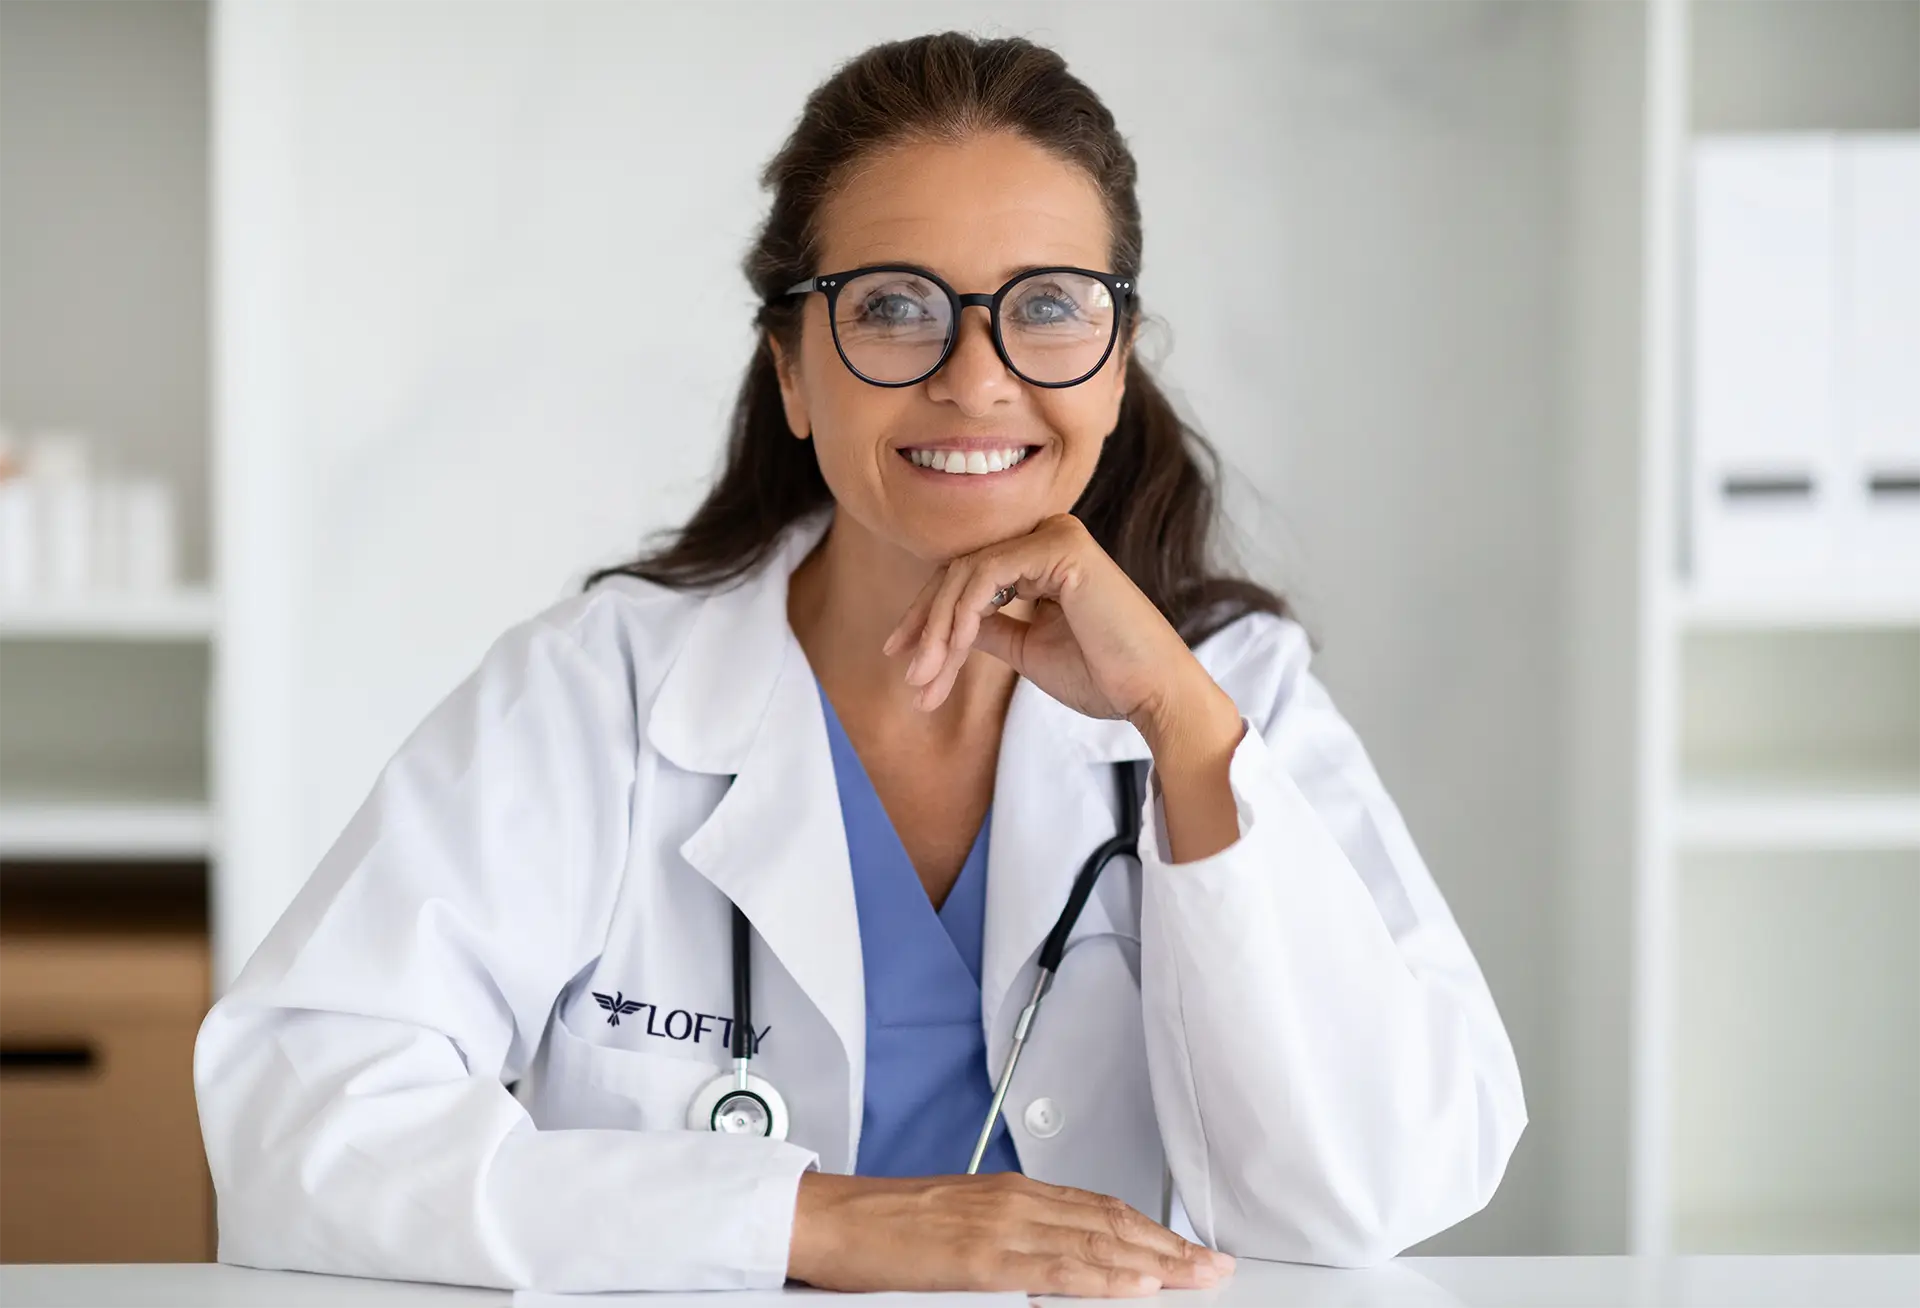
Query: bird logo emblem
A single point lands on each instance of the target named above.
(617, 1006)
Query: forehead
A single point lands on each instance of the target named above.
(975, 211)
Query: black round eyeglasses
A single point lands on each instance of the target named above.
(895, 324)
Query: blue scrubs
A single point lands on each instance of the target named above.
(927, 1089)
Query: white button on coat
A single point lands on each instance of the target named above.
(1294, 1023)
(1043, 1119)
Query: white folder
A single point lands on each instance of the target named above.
(1762, 399)
(1878, 360)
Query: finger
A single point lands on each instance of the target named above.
(1005, 638)
(930, 658)
(1105, 1249)
(908, 628)
(976, 598)
(1103, 1212)
(974, 608)
(1056, 1273)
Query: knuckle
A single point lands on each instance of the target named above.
(1060, 1275)
(1099, 1247)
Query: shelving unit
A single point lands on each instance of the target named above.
(105, 831)
(108, 821)
(1775, 924)
(185, 614)
(106, 697)
(1799, 813)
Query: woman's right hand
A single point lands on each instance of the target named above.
(996, 1232)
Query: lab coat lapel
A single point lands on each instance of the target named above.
(741, 699)
(1053, 804)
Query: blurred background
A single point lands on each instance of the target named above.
(1565, 358)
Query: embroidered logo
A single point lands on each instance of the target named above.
(617, 1006)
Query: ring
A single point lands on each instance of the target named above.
(1004, 596)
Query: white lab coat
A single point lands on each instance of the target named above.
(412, 1077)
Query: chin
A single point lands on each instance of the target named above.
(936, 541)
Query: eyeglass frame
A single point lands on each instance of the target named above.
(1121, 288)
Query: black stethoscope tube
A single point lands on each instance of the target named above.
(1055, 947)
(742, 985)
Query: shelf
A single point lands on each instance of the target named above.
(132, 830)
(1798, 1233)
(188, 614)
(1791, 612)
(1785, 811)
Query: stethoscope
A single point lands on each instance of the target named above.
(741, 1103)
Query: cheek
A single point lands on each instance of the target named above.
(849, 419)
(1083, 416)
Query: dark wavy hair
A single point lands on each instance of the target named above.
(1152, 502)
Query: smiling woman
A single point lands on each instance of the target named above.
(801, 794)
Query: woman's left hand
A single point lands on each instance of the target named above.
(1095, 642)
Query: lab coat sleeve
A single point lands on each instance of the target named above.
(353, 1082)
(1332, 1079)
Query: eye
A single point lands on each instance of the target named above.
(892, 302)
(1046, 305)
(893, 309)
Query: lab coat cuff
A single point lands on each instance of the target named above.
(769, 1218)
(1249, 760)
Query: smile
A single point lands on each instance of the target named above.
(964, 463)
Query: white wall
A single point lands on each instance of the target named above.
(482, 320)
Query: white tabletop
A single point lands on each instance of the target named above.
(1695, 1282)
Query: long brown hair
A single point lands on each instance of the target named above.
(1152, 503)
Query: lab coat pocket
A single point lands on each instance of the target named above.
(587, 1085)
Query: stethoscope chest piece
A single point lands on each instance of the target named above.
(736, 1105)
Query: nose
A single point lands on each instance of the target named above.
(973, 379)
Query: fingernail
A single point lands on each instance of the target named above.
(1223, 1261)
(1141, 1281)
(1206, 1274)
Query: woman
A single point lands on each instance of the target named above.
(952, 580)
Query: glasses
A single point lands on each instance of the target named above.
(895, 324)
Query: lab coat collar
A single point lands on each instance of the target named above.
(714, 699)
(741, 700)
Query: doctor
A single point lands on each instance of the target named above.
(809, 786)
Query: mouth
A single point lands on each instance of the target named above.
(946, 462)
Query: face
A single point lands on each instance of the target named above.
(976, 214)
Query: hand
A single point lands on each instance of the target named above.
(996, 1232)
(1095, 642)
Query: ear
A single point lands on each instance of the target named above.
(791, 398)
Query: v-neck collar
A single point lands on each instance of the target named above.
(961, 917)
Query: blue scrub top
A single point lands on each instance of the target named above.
(927, 1088)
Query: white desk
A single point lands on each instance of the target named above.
(1730, 1282)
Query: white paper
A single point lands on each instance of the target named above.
(767, 1299)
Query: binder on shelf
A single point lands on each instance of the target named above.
(1764, 467)
(1879, 360)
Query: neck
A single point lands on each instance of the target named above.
(844, 599)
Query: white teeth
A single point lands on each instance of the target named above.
(974, 462)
